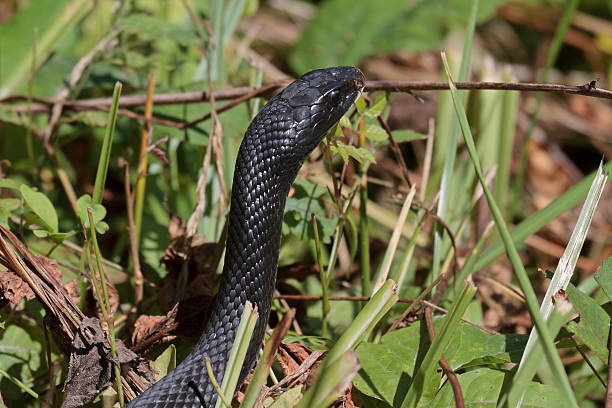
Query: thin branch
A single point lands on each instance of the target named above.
(133, 237)
(42, 104)
(448, 370)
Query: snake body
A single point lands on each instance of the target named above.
(274, 147)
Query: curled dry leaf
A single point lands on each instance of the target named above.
(150, 329)
(145, 325)
(14, 289)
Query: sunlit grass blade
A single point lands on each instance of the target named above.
(333, 381)
(383, 270)
(513, 396)
(540, 219)
(510, 104)
(451, 148)
(364, 322)
(364, 236)
(18, 383)
(239, 349)
(18, 72)
(553, 53)
(265, 361)
(560, 280)
(443, 337)
(106, 147)
(552, 356)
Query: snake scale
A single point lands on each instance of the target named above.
(275, 145)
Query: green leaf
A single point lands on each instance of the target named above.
(9, 183)
(10, 204)
(387, 368)
(53, 20)
(60, 236)
(360, 104)
(603, 276)
(377, 106)
(97, 211)
(481, 387)
(41, 206)
(304, 202)
(345, 121)
(287, 399)
(360, 154)
(407, 135)
(165, 363)
(592, 326)
(374, 132)
(21, 346)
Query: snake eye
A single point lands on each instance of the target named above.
(334, 97)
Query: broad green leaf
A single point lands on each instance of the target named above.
(97, 211)
(481, 387)
(165, 363)
(60, 236)
(304, 202)
(376, 108)
(10, 204)
(345, 121)
(287, 399)
(592, 327)
(407, 135)
(41, 206)
(21, 349)
(374, 132)
(8, 183)
(603, 276)
(358, 153)
(387, 368)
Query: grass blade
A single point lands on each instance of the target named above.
(449, 162)
(332, 382)
(538, 220)
(265, 362)
(560, 280)
(441, 341)
(16, 73)
(365, 321)
(106, 147)
(239, 349)
(552, 356)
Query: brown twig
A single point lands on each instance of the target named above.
(450, 374)
(263, 90)
(42, 105)
(129, 202)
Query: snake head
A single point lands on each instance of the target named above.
(318, 100)
(295, 121)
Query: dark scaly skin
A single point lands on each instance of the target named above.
(274, 147)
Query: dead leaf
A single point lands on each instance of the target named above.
(72, 287)
(145, 325)
(14, 289)
(91, 363)
(90, 369)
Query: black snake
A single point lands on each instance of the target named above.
(274, 147)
